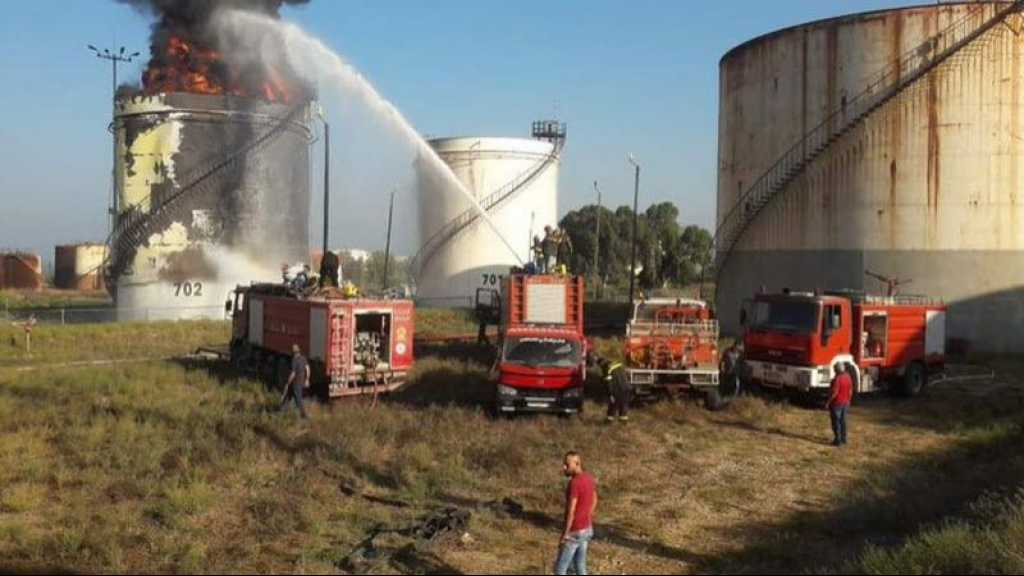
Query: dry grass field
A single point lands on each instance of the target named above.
(166, 466)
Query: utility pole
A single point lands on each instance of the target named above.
(387, 245)
(636, 197)
(597, 241)
(327, 180)
(114, 57)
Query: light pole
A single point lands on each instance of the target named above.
(597, 241)
(114, 57)
(636, 197)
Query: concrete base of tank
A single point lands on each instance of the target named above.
(984, 315)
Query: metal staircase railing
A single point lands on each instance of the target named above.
(490, 203)
(136, 223)
(887, 84)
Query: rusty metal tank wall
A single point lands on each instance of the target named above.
(79, 266)
(20, 271)
(929, 188)
(238, 222)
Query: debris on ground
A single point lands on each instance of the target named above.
(395, 545)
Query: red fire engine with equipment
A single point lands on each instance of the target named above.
(354, 345)
(795, 340)
(671, 347)
(541, 364)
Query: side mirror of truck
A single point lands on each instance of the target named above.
(743, 317)
(227, 306)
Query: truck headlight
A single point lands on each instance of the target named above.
(825, 373)
(573, 393)
(506, 390)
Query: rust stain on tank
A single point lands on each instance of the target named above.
(831, 65)
(933, 145)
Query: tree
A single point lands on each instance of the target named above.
(667, 254)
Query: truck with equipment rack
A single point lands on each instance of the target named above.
(672, 347)
(354, 345)
(542, 351)
(793, 341)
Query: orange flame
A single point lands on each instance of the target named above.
(187, 67)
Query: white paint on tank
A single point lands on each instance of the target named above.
(476, 258)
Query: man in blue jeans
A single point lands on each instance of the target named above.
(838, 404)
(580, 503)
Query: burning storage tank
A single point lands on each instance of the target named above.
(515, 180)
(212, 167)
(20, 271)
(79, 266)
(214, 191)
(887, 141)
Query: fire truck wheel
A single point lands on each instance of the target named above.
(713, 400)
(914, 380)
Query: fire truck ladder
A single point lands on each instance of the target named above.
(139, 221)
(494, 201)
(959, 38)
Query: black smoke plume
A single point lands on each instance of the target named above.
(186, 54)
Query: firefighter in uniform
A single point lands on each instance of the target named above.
(620, 390)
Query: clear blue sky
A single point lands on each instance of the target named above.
(638, 77)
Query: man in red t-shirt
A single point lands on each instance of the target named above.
(839, 403)
(580, 503)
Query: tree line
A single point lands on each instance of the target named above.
(668, 255)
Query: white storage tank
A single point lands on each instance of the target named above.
(515, 180)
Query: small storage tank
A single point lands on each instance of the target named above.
(79, 266)
(214, 191)
(516, 180)
(20, 271)
(928, 186)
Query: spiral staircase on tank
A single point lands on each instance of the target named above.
(139, 221)
(962, 40)
(549, 130)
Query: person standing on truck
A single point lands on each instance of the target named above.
(537, 249)
(298, 380)
(580, 504)
(549, 250)
(839, 402)
(620, 390)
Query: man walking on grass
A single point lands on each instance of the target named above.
(298, 380)
(580, 503)
(839, 403)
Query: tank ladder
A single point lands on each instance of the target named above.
(139, 221)
(959, 38)
(490, 204)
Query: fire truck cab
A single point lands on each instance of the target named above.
(794, 340)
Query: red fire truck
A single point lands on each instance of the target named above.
(795, 340)
(354, 346)
(541, 365)
(672, 346)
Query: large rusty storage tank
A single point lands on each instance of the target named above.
(214, 191)
(79, 266)
(21, 271)
(927, 185)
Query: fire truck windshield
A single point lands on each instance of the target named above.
(799, 317)
(542, 352)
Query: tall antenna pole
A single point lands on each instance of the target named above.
(597, 238)
(327, 181)
(114, 57)
(387, 245)
(636, 196)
